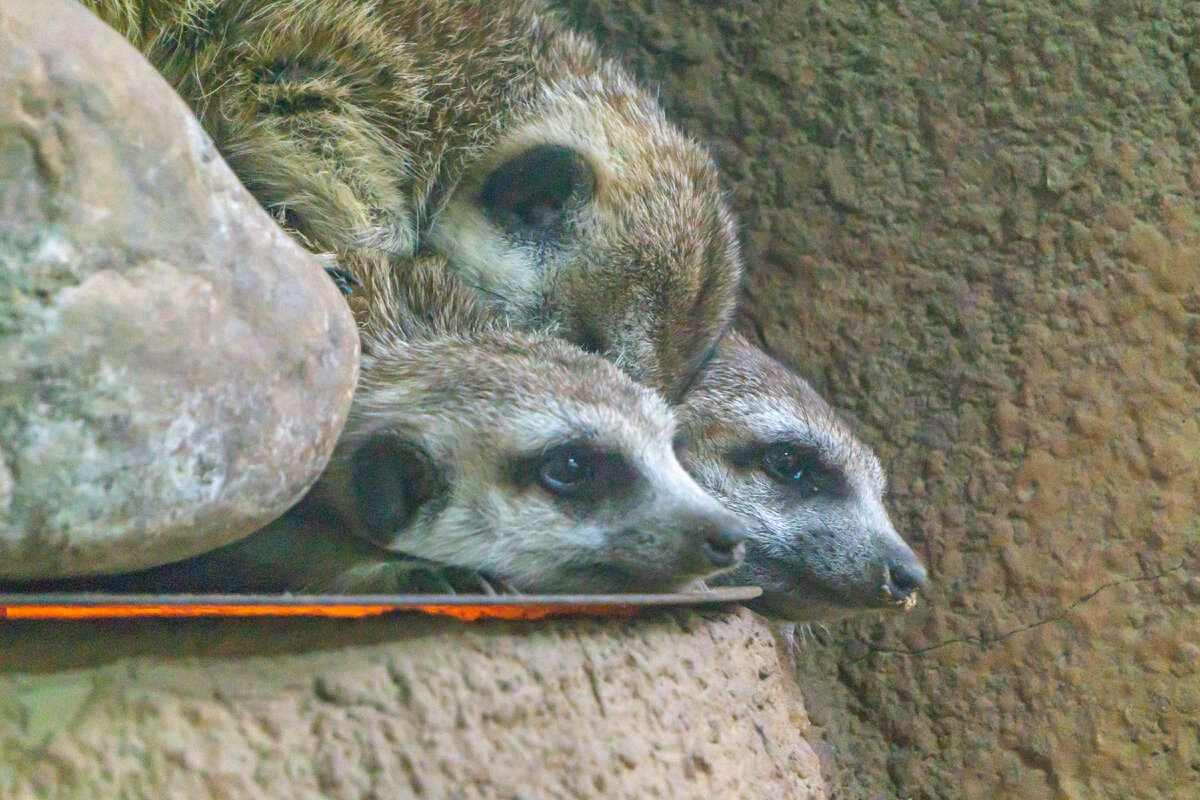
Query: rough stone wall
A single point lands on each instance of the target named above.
(681, 705)
(975, 227)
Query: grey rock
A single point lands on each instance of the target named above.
(174, 370)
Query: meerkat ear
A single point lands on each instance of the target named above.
(533, 190)
(391, 479)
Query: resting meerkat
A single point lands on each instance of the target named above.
(761, 440)
(509, 454)
(481, 130)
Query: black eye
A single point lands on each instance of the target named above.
(799, 468)
(534, 189)
(568, 469)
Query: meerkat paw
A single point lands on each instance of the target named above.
(495, 586)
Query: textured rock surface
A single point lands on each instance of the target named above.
(975, 226)
(173, 370)
(673, 707)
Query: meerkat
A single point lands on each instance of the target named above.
(820, 542)
(481, 130)
(488, 133)
(476, 448)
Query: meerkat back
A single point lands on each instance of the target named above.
(820, 542)
(481, 130)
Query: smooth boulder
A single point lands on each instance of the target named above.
(174, 370)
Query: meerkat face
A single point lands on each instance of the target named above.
(529, 461)
(820, 542)
(598, 219)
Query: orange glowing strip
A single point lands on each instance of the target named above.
(472, 613)
(465, 613)
(116, 612)
(90, 607)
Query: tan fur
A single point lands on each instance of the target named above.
(370, 126)
(816, 546)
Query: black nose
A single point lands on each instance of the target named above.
(905, 575)
(724, 542)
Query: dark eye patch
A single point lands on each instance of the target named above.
(391, 480)
(576, 472)
(801, 469)
(797, 467)
(532, 192)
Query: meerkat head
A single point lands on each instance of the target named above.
(595, 216)
(820, 542)
(527, 460)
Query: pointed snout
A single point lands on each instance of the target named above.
(904, 575)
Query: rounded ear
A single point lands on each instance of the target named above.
(391, 479)
(532, 191)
